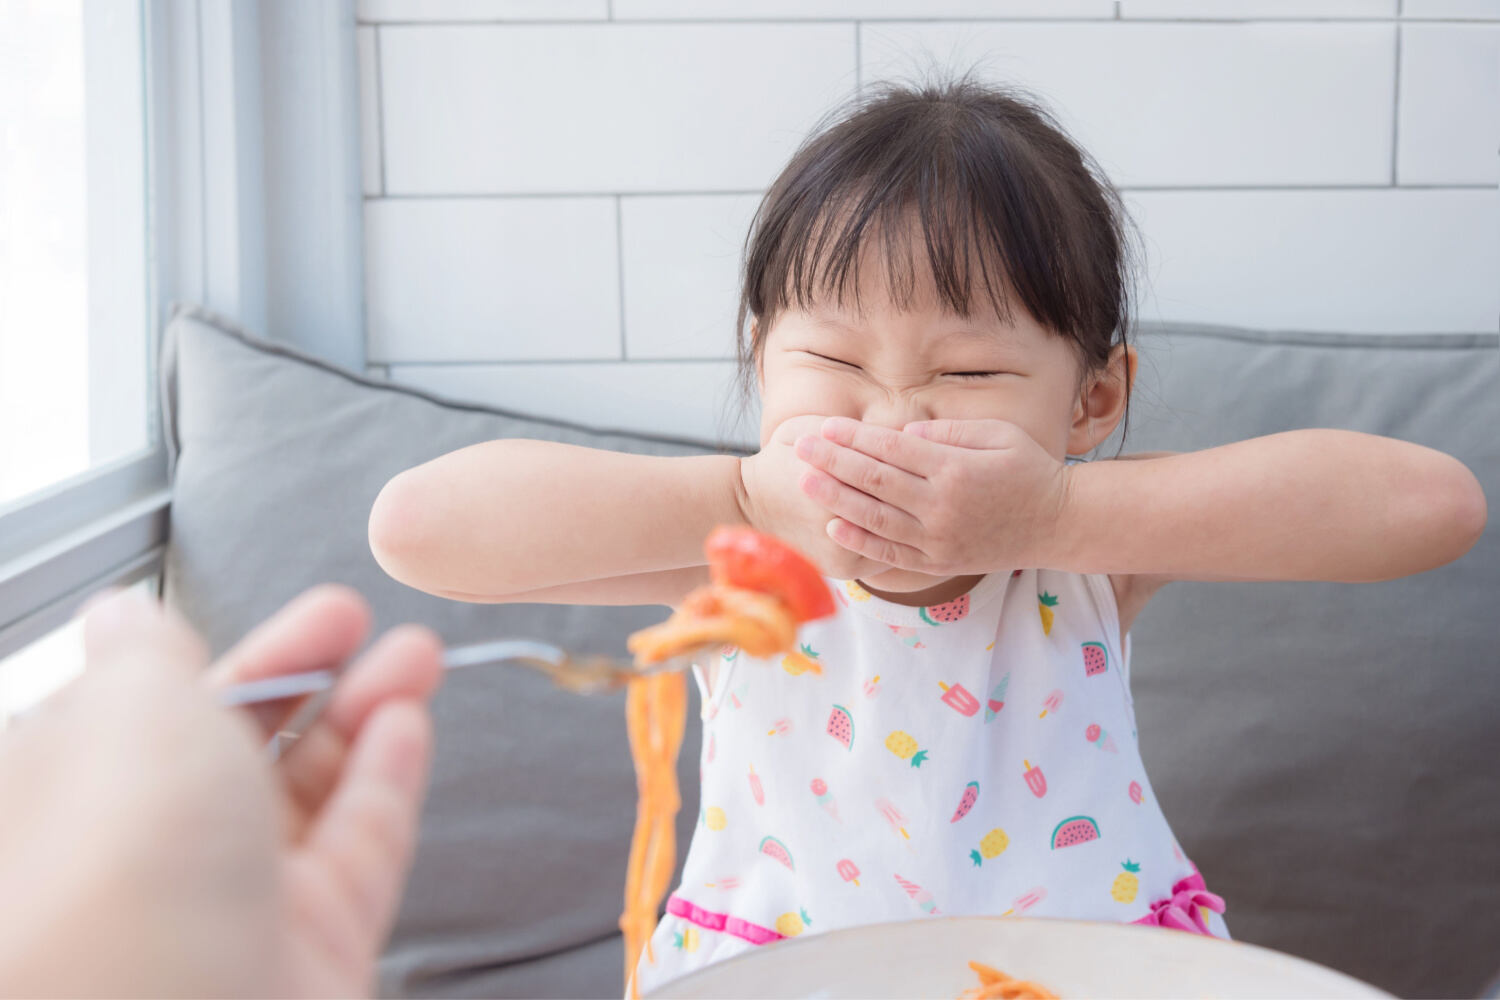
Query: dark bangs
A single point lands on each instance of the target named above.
(1006, 208)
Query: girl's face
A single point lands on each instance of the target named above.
(891, 367)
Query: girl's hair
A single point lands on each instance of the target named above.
(992, 183)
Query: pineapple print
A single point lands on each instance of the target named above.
(687, 940)
(804, 661)
(1046, 602)
(903, 746)
(714, 818)
(792, 924)
(992, 846)
(1127, 884)
(856, 592)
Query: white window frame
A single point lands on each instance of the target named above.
(210, 100)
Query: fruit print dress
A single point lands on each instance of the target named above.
(974, 757)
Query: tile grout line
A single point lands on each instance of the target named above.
(637, 363)
(1148, 189)
(380, 110)
(859, 79)
(788, 21)
(702, 21)
(1396, 103)
(620, 273)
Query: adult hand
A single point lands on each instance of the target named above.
(150, 849)
(944, 497)
(775, 504)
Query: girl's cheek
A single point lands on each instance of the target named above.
(796, 393)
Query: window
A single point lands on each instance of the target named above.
(83, 495)
(37, 670)
(73, 278)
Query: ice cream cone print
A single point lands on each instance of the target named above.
(825, 798)
(919, 895)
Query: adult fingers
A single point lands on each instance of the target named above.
(361, 843)
(317, 630)
(405, 664)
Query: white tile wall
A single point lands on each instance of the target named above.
(369, 113)
(483, 10)
(1239, 10)
(1479, 10)
(682, 257)
(697, 399)
(1382, 261)
(1449, 131)
(463, 279)
(867, 10)
(533, 109)
(555, 211)
(1171, 105)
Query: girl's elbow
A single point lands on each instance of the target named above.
(1472, 510)
(1457, 507)
(399, 531)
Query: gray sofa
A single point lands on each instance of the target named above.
(1328, 753)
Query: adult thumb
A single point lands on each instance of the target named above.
(126, 630)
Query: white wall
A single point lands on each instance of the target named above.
(556, 191)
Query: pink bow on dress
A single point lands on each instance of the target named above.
(1183, 911)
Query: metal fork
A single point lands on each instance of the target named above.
(592, 674)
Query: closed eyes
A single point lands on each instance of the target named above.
(837, 361)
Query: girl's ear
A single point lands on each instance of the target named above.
(1101, 403)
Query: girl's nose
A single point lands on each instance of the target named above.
(895, 412)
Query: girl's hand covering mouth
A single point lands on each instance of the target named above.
(943, 497)
(771, 502)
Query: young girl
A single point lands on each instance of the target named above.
(937, 289)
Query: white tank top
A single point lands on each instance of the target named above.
(974, 757)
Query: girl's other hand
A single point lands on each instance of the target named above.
(944, 497)
(773, 502)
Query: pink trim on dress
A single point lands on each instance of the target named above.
(722, 922)
(1183, 911)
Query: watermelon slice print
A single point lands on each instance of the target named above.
(841, 726)
(970, 796)
(1095, 659)
(1075, 830)
(776, 851)
(946, 613)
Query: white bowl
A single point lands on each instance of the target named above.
(1074, 959)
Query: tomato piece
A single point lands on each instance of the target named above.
(744, 558)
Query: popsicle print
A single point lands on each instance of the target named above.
(893, 816)
(1026, 901)
(1052, 704)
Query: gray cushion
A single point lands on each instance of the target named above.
(1325, 752)
(519, 873)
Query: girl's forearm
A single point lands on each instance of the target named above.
(1301, 505)
(514, 516)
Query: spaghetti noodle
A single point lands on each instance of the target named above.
(762, 590)
(997, 985)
